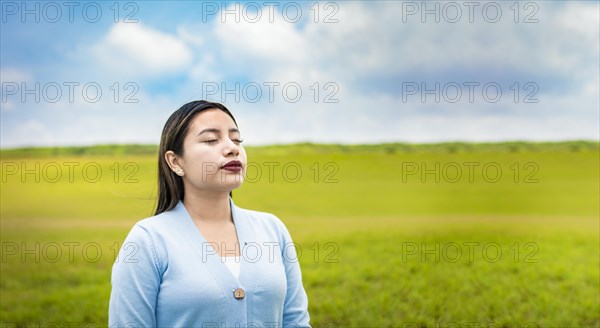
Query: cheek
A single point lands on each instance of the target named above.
(243, 157)
(197, 158)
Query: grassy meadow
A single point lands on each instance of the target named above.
(392, 235)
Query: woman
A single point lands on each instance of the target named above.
(201, 261)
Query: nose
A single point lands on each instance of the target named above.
(231, 148)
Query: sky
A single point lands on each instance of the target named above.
(83, 73)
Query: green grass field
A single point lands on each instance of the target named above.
(446, 235)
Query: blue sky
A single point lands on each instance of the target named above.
(362, 69)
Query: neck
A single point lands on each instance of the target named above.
(208, 206)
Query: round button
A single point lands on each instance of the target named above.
(239, 294)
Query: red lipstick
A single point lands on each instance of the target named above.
(232, 166)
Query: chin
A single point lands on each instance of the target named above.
(231, 186)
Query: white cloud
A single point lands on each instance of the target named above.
(371, 51)
(11, 74)
(140, 50)
(276, 42)
(368, 54)
(30, 132)
(11, 79)
(582, 19)
(371, 41)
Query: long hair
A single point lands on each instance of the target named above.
(170, 185)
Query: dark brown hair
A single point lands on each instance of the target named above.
(170, 185)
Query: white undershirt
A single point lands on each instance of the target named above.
(233, 264)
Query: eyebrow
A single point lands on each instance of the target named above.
(232, 130)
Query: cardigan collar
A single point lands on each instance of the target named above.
(208, 255)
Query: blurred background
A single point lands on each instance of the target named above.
(437, 162)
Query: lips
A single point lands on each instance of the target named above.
(234, 166)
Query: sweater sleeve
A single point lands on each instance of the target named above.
(135, 282)
(295, 307)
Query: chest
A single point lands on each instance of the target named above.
(221, 237)
(196, 277)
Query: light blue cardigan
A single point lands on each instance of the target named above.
(167, 275)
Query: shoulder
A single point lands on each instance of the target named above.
(156, 236)
(155, 222)
(149, 228)
(154, 232)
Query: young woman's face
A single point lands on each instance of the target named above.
(213, 157)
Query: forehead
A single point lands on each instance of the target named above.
(212, 118)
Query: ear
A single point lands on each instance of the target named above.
(173, 161)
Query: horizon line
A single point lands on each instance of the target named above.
(315, 143)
